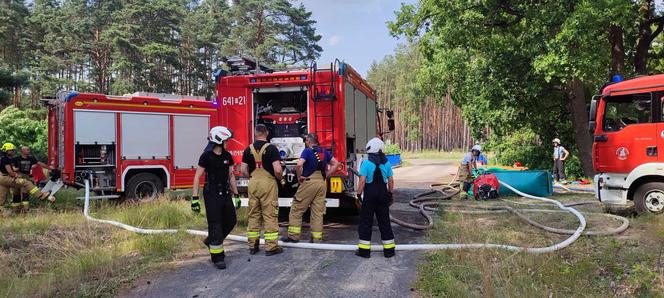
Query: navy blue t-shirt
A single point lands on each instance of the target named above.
(310, 161)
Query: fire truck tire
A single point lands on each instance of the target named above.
(144, 186)
(649, 198)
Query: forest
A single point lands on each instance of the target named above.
(511, 75)
(523, 72)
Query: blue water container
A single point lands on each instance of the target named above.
(533, 182)
(394, 159)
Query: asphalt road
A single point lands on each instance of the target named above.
(307, 273)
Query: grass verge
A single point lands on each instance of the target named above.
(630, 264)
(52, 251)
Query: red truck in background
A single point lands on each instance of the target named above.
(627, 122)
(138, 145)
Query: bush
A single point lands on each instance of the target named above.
(392, 149)
(526, 147)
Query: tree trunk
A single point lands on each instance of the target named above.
(617, 50)
(644, 39)
(577, 107)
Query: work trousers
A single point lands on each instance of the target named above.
(310, 194)
(376, 203)
(20, 184)
(221, 218)
(559, 170)
(263, 211)
(21, 197)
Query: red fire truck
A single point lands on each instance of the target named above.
(628, 126)
(140, 144)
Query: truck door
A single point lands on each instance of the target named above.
(629, 134)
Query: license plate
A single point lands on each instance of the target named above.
(336, 185)
(243, 183)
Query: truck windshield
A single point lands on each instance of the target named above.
(622, 111)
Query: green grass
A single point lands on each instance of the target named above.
(629, 264)
(53, 251)
(433, 154)
(441, 155)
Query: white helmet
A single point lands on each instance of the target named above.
(477, 148)
(374, 145)
(556, 140)
(219, 134)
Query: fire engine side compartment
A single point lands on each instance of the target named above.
(148, 135)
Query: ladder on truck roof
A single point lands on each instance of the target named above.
(324, 94)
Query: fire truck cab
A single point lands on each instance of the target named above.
(627, 122)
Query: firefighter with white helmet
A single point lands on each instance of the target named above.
(10, 179)
(560, 154)
(469, 163)
(375, 188)
(217, 164)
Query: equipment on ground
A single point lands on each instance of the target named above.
(626, 122)
(424, 202)
(486, 187)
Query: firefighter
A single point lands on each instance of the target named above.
(217, 164)
(560, 154)
(25, 164)
(10, 179)
(262, 163)
(468, 164)
(314, 165)
(377, 184)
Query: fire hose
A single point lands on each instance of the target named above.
(424, 202)
(351, 247)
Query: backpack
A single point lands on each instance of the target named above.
(486, 187)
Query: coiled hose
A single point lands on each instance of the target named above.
(350, 247)
(425, 202)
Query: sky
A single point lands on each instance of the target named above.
(355, 31)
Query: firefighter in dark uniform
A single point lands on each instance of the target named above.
(376, 185)
(25, 162)
(10, 179)
(314, 165)
(262, 163)
(217, 164)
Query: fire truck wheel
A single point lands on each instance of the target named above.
(144, 186)
(649, 198)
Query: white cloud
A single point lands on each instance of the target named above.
(333, 40)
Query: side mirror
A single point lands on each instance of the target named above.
(390, 124)
(390, 114)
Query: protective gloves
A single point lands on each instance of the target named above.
(195, 205)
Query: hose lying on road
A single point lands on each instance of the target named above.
(350, 247)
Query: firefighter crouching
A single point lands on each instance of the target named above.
(217, 164)
(25, 163)
(262, 163)
(468, 164)
(10, 179)
(314, 165)
(377, 184)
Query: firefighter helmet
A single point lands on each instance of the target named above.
(556, 140)
(477, 148)
(375, 145)
(219, 134)
(8, 147)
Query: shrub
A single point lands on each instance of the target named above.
(392, 149)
